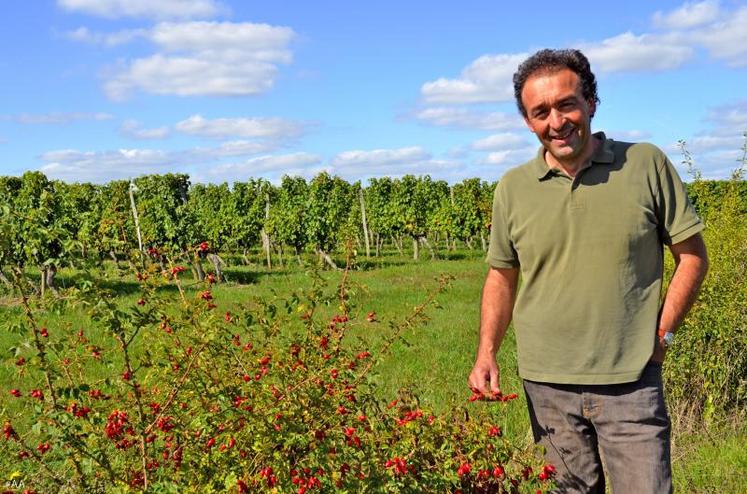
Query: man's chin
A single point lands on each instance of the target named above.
(562, 153)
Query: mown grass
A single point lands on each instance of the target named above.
(432, 361)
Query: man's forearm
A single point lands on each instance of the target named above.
(496, 309)
(691, 267)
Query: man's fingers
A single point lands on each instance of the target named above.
(477, 381)
(495, 380)
(484, 379)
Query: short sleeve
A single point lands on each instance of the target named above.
(675, 213)
(501, 252)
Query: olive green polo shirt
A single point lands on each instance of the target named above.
(590, 252)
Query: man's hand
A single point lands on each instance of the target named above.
(660, 351)
(485, 376)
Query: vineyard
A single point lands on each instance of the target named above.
(314, 336)
(167, 216)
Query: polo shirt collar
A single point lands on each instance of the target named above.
(603, 155)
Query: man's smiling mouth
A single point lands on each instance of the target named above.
(563, 136)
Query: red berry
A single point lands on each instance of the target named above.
(176, 270)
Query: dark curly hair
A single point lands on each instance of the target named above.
(551, 61)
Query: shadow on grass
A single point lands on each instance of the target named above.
(244, 277)
(372, 263)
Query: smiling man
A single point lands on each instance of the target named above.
(584, 224)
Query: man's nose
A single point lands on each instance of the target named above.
(557, 119)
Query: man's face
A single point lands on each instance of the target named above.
(558, 114)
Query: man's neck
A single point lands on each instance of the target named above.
(573, 166)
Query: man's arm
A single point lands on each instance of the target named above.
(498, 295)
(691, 266)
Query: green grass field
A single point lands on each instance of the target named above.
(433, 361)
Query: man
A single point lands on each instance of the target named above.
(585, 222)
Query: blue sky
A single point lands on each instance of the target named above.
(94, 90)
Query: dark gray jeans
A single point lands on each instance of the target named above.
(626, 426)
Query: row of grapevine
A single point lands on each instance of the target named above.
(47, 224)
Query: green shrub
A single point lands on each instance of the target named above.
(706, 369)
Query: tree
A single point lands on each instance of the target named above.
(327, 209)
(415, 199)
(115, 232)
(382, 219)
(11, 251)
(249, 201)
(288, 214)
(212, 211)
(40, 230)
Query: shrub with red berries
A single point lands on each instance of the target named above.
(267, 397)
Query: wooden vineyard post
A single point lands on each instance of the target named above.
(265, 236)
(133, 189)
(365, 223)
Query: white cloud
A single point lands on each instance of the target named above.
(206, 58)
(133, 129)
(689, 15)
(102, 166)
(56, 117)
(509, 157)
(85, 35)
(381, 157)
(497, 142)
(487, 79)
(239, 41)
(361, 165)
(99, 167)
(292, 164)
(628, 135)
(464, 118)
(220, 128)
(729, 118)
(709, 142)
(152, 9)
(717, 151)
(727, 39)
(646, 52)
(241, 148)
